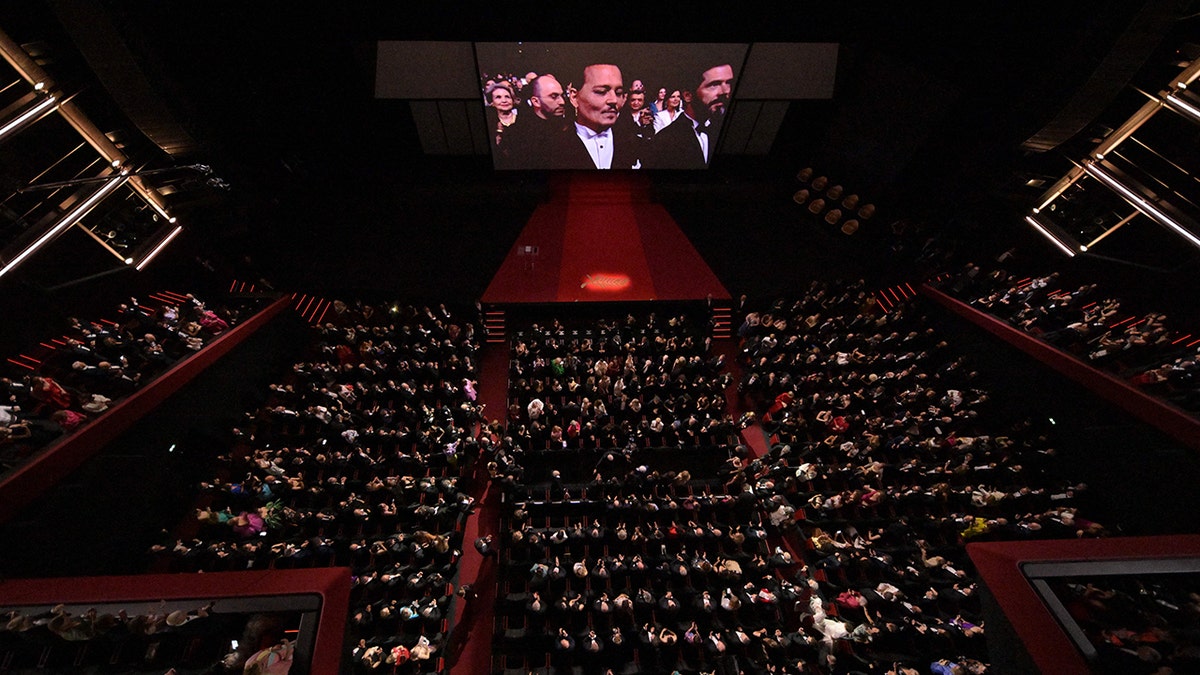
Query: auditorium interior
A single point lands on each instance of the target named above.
(300, 378)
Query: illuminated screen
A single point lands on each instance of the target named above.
(606, 106)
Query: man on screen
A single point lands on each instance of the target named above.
(526, 142)
(689, 141)
(594, 143)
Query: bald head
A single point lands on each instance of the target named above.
(546, 97)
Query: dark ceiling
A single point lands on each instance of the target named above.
(329, 187)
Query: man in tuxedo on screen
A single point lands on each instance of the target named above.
(689, 141)
(526, 142)
(595, 142)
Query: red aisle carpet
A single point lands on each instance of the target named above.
(600, 239)
(470, 645)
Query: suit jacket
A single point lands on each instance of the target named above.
(569, 152)
(676, 147)
(526, 144)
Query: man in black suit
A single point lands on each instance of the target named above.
(525, 144)
(689, 141)
(594, 143)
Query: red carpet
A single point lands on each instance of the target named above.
(492, 388)
(470, 644)
(600, 239)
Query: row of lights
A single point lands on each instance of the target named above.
(44, 106)
(1171, 99)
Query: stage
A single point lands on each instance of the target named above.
(600, 239)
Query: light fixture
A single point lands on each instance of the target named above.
(1141, 203)
(40, 108)
(157, 208)
(1183, 106)
(79, 211)
(1060, 186)
(1047, 234)
(157, 249)
(39, 86)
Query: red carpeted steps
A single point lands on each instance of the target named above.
(722, 320)
(494, 325)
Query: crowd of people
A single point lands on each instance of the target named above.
(615, 557)
(597, 119)
(646, 381)
(638, 532)
(1085, 321)
(359, 458)
(162, 639)
(97, 363)
(1144, 624)
(891, 457)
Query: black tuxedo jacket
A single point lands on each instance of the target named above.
(676, 147)
(569, 152)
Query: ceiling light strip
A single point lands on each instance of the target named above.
(157, 249)
(40, 108)
(66, 221)
(1047, 234)
(1178, 104)
(1141, 203)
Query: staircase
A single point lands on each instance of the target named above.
(494, 326)
(722, 320)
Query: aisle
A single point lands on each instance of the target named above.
(469, 649)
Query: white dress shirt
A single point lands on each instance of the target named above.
(599, 145)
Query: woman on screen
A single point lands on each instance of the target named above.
(502, 111)
(670, 113)
(659, 103)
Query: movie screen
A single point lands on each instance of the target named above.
(617, 106)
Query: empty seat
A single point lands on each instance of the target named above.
(834, 193)
(850, 226)
(817, 205)
(800, 197)
(833, 216)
